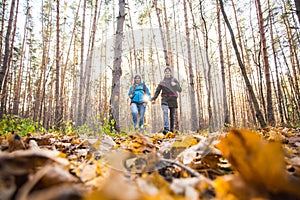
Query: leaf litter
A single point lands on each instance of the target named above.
(236, 164)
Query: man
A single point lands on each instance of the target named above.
(139, 95)
(168, 87)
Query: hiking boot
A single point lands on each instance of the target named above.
(141, 129)
(165, 131)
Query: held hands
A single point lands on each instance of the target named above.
(153, 101)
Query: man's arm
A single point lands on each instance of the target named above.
(157, 91)
(175, 85)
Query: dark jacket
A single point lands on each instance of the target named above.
(168, 92)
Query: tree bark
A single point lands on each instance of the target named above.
(265, 59)
(81, 83)
(3, 12)
(194, 123)
(117, 70)
(73, 70)
(198, 59)
(5, 65)
(87, 95)
(58, 106)
(16, 101)
(169, 45)
(225, 105)
(294, 58)
(162, 33)
(278, 85)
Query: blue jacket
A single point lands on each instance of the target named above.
(138, 95)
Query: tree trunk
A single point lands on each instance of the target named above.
(225, 105)
(58, 106)
(10, 58)
(3, 13)
(178, 125)
(294, 58)
(117, 70)
(169, 45)
(16, 101)
(133, 40)
(5, 66)
(81, 82)
(297, 4)
(201, 123)
(194, 123)
(89, 64)
(74, 98)
(259, 115)
(40, 111)
(158, 11)
(211, 99)
(278, 91)
(270, 111)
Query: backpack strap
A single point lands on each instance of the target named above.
(133, 89)
(163, 81)
(134, 86)
(144, 87)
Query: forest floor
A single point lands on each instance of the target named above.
(236, 164)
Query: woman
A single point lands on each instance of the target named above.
(139, 95)
(168, 87)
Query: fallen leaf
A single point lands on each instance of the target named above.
(260, 163)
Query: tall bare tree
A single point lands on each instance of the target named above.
(117, 70)
(58, 105)
(191, 73)
(6, 62)
(3, 11)
(39, 109)
(165, 49)
(259, 114)
(89, 63)
(226, 111)
(16, 101)
(81, 82)
(169, 45)
(265, 59)
(276, 65)
(294, 56)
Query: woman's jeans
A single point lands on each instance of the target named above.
(138, 110)
(166, 109)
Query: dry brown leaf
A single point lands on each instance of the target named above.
(88, 170)
(259, 162)
(15, 142)
(62, 191)
(25, 161)
(232, 187)
(116, 187)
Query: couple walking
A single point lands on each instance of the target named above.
(140, 94)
